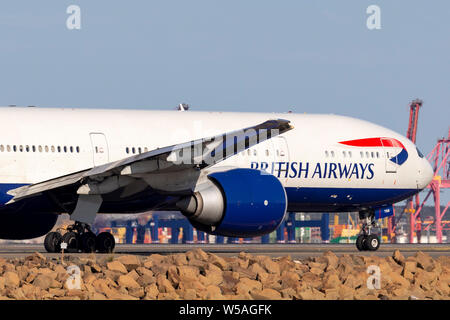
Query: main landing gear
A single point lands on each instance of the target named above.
(79, 238)
(367, 240)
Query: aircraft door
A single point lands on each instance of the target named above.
(281, 157)
(99, 149)
(391, 167)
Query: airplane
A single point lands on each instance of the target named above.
(233, 174)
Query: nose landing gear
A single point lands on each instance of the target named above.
(79, 238)
(367, 240)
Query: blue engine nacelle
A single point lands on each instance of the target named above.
(237, 203)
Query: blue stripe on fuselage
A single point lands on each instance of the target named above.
(345, 199)
(4, 188)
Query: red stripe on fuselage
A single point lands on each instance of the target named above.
(374, 142)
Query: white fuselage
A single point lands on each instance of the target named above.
(38, 144)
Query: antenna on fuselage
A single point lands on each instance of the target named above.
(183, 107)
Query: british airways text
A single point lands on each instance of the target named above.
(328, 170)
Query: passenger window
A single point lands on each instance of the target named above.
(344, 153)
(58, 148)
(326, 154)
(8, 148)
(145, 149)
(21, 148)
(71, 149)
(133, 150)
(267, 152)
(139, 150)
(53, 148)
(378, 155)
(46, 148)
(332, 154)
(367, 154)
(27, 148)
(350, 154)
(33, 148)
(254, 152)
(127, 150)
(2, 148)
(78, 149)
(65, 149)
(14, 148)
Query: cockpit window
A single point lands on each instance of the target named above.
(419, 153)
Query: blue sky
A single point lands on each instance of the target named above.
(253, 55)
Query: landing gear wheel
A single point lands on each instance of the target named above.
(72, 240)
(372, 242)
(52, 242)
(88, 242)
(105, 242)
(361, 242)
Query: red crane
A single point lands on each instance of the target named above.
(440, 159)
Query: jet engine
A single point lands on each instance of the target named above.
(236, 203)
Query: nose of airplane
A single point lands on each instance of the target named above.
(425, 174)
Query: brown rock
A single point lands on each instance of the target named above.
(144, 271)
(312, 279)
(218, 261)
(424, 261)
(116, 266)
(188, 273)
(288, 293)
(180, 260)
(244, 273)
(331, 259)
(9, 267)
(164, 285)
(2, 284)
(130, 262)
(397, 279)
(151, 292)
(309, 293)
(332, 294)
(95, 268)
(146, 280)
(289, 279)
(214, 277)
(246, 285)
(168, 296)
(43, 281)
(12, 280)
(331, 281)
(354, 282)
(200, 254)
(212, 293)
(346, 293)
(97, 296)
(188, 294)
(398, 257)
(137, 292)
(128, 282)
(270, 266)
(89, 278)
(57, 292)
(410, 266)
(266, 294)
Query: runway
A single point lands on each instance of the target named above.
(296, 251)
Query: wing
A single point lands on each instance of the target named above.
(201, 153)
